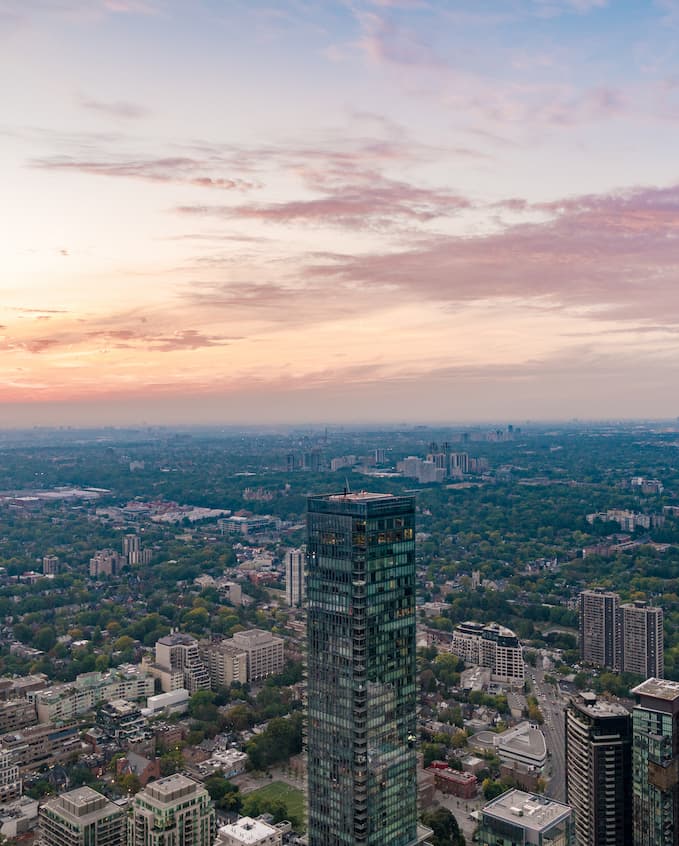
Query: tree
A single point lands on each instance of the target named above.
(445, 827)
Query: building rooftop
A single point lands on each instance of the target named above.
(589, 704)
(82, 805)
(658, 688)
(527, 809)
(167, 790)
(248, 830)
(359, 496)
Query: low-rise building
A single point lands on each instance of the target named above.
(19, 817)
(524, 743)
(249, 832)
(42, 745)
(16, 714)
(525, 819)
(455, 782)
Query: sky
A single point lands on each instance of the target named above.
(217, 211)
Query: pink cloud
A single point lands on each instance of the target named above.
(613, 254)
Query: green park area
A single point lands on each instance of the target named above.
(279, 791)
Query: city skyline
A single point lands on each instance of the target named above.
(382, 210)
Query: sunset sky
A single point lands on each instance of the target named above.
(309, 211)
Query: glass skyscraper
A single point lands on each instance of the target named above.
(361, 670)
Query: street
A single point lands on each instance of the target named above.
(552, 707)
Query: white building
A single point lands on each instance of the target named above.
(492, 646)
(249, 832)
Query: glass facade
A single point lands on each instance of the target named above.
(361, 670)
(656, 775)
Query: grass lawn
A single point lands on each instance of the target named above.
(292, 796)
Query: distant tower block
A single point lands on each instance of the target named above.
(295, 590)
(50, 565)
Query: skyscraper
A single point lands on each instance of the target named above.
(598, 771)
(655, 763)
(361, 670)
(599, 627)
(294, 577)
(641, 640)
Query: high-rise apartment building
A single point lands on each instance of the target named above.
(490, 645)
(173, 811)
(82, 817)
(598, 771)
(50, 565)
(599, 627)
(226, 663)
(627, 637)
(655, 763)
(361, 670)
(264, 653)
(641, 640)
(294, 577)
(178, 664)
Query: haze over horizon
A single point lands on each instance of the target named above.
(378, 210)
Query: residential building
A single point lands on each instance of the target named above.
(641, 640)
(50, 565)
(598, 771)
(123, 722)
(598, 611)
(263, 651)
(132, 548)
(18, 818)
(10, 780)
(493, 646)
(16, 714)
(173, 811)
(41, 746)
(82, 817)
(525, 819)
(225, 661)
(106, 562)
(178, 664)
(361, 670)
(249, 832)
(294, 577)
(61, 703)
(655, 764)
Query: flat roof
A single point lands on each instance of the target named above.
(248, 830)
(528, 810)
(589, 704)
(659, 688)
(82, 806)
(360, 496)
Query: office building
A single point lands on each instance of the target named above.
(42, 746)
(641, 640)
(82, 817)
(294, 577)
(361, 670)
(263, 651)
(598, 768)
(655, 764)
(525, 819)
(598, 610)
(173, 811)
